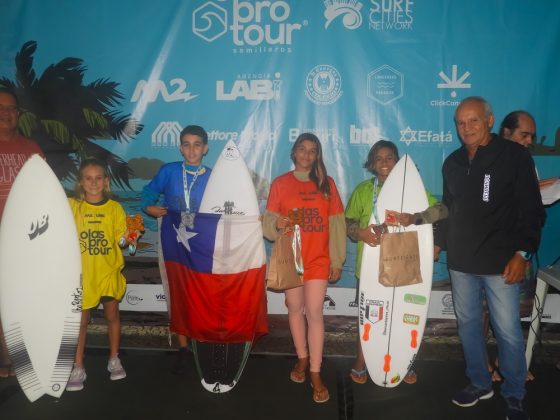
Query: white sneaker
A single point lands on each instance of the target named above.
(77, 378)
(115, 367)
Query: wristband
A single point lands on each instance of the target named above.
(525, 255)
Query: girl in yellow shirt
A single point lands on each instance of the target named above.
(101, 225)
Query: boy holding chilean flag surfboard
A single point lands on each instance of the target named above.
(182, 186)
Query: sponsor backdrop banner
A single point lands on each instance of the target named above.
(121, 79)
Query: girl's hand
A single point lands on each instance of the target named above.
(282, 223)
(134, 228)
(132, 237)
(129, 237)
(335, 274)
(368, 236)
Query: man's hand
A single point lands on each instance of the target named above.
(405, 219)
(515, 269)
(543, 183)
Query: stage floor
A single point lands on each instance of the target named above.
(265, 392)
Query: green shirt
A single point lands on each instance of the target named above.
(359, 209)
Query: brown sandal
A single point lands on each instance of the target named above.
(320, 394)
(297, 375)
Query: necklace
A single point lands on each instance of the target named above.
(188, 188)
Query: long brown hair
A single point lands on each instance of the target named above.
(318, 172)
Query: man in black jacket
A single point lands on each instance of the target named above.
(494, 225)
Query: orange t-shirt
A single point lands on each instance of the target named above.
(287, 193)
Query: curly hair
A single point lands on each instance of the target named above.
(375, 149)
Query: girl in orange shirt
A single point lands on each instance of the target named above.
(312, 194)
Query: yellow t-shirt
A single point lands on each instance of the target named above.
(100, 226)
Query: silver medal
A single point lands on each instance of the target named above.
(187, 219)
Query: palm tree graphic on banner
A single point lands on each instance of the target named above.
(67, 118)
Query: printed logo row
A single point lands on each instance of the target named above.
(269, 27)
(167, 134)
(323, 86)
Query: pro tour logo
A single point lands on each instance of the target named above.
(256, 27)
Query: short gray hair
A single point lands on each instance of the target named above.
(480, 100)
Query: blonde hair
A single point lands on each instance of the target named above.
(78, 189)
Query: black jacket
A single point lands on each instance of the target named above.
(495, 207)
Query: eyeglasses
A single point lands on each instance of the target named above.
(9, 108)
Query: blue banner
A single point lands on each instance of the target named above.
(121, 79)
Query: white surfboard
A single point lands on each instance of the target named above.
(230, 191)
(392, 319)
(40, 284)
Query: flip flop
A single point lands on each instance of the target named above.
(320, 395)
(410, 378)
(359, 377)
(297, 376)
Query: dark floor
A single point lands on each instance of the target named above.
(265, 392)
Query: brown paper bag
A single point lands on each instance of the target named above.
(282, 272)
(399, 259)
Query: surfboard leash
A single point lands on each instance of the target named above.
(404, 182)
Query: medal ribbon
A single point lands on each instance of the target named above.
(374, 208)
(296, 249)
(187, 189)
